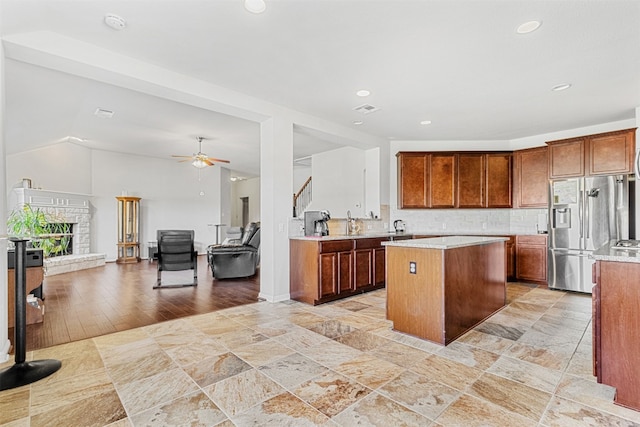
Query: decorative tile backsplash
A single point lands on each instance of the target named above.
(444, 221)
(473, 221)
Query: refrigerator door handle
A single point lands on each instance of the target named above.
(637, 164)
(581, 213)
(588, 213)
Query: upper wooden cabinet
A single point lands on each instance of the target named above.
(471, 180)
(531, 177)
(454, 180)
(601, 154)
(413, 179)
(442, 184)
(498, 180)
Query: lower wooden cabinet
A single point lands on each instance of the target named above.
(510, 252)
(531, 258)
(616, 347)
(322, 271)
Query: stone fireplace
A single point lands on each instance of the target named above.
(64, 207)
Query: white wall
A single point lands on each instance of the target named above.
(372, 183)
(300, 176)
(247, 188)
(59, 167)
(338, 182)
(170, 193)
(4, 308)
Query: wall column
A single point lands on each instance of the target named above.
(276, 188)
(4, 308)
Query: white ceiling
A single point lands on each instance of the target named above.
(457, 63)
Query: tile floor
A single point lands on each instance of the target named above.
(290, 364)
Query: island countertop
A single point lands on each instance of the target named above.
(446, 242)
(609, 252)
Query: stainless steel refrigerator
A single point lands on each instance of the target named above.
(584, 214)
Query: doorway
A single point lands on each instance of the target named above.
(245, 210)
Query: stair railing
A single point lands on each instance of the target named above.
(302, 198)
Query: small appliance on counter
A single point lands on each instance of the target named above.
(399, 226)
(315, 223)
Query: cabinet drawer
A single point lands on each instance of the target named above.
(336, 246)
(369, 243)
(538, 239)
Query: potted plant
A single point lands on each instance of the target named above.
(44, 230)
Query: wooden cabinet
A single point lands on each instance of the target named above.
(34, 279)
(471, 180)
(442, 184)
(611, 153)
(616, 347)
(413, 180)
(322, 271)
(454, 180)
(601, 154)
(128, 229)
(531, 178)
(335, 268)
(531, 258)
(498, 180)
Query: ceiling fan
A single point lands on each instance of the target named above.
(200, 160)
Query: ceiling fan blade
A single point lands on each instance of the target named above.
(175, 155)
(185, 160)
(208, 162)
(213, 159)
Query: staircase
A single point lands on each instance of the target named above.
(302, 199)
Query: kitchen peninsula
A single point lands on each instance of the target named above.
(616, 321)
(439, 288)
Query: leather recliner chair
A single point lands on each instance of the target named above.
(236, 260)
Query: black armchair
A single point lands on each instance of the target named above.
(236, 260)
(176, 252)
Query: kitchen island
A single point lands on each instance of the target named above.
(616, 322)
(439, 288)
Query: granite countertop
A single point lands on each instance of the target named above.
(609, 253)
(393, 234)
(352, 236)
(447, 242)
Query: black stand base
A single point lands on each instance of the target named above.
(27, 372)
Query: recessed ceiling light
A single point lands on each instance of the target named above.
(255, 6)
(114, 21)
(425, 122)
(558, 88)
(528, 27)
(358, 122)
(363, 92)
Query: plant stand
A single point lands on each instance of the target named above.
(22, 372)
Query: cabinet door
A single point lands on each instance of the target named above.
(379, 267)
(531, 258)
(413, 180)
(612, 153)
(328, 274)
(566, 159)
(442, 180)
(363, 267)
(532, 176)
(345, 272)
(470, 181)
(498, 179)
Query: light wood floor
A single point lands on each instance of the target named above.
(117, 297)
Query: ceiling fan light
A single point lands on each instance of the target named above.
(198, 163)
(255, 6)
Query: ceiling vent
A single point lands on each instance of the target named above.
(103, 114)
(366, 109)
